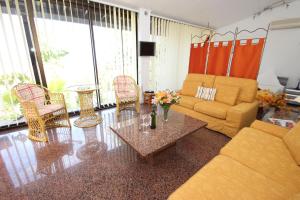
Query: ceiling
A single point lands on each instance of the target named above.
(217, 13)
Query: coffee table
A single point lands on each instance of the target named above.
(147, 142)
(282, 116)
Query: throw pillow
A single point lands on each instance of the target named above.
(206, 93)
(190, 88)
(227, 94)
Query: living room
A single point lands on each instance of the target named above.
(170, 99)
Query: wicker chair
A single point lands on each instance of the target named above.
(42, 109)
(127, 93)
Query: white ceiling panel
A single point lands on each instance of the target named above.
(217, 13)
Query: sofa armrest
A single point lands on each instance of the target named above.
(242, 115)
(272, 129)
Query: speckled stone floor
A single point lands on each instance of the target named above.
(94, 163)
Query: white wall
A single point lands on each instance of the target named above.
(144, 35)
(282, 51)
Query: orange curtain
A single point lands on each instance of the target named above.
(246, 59)
(198, 58)
(218, 58)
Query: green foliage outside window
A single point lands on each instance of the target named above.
(53, 56)
(10, 103)
(10, 107)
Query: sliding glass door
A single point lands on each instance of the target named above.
(64, 38)
(115, 46)
(62, 43)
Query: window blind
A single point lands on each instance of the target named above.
(15, 59)
(173, 42)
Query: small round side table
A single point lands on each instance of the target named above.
(88, 116)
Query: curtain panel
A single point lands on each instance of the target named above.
(218, 58)
(246, 58)
(198, 58)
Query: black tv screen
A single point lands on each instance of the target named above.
(147, 48)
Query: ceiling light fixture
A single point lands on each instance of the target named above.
(285, 3)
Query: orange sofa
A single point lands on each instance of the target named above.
(261, 162)
(234, 106)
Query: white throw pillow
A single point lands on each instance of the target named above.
(206, 93)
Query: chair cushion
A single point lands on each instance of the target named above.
(212, 108)
(190, 88)
(32, 92)
(266, 154)
(227, 94)
(188, 102)
(47, 109)
(124, 83)
(292, 140)
(224, 178)
(127, 96)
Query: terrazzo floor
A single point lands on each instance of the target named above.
(94, 163)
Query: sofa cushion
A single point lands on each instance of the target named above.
(292, 140)
(265, 154)
(212, 108)
(272, 129)
(295, 197)
(190, 88)
(188, 102)
(207, 80)
(248, 87)
(227, 94)
(225, 178)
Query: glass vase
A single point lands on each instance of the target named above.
(166, 111)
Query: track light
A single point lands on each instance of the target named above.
(285, 3)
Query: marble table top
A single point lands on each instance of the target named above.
(148, 141)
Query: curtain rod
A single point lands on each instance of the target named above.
(183, 22)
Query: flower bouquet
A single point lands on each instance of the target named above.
(268, 99)
(165, 99)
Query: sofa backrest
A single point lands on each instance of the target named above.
(292, 140)
(248, 87)
(207, 80)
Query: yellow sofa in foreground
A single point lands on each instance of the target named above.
(260, 163)
(234, 106)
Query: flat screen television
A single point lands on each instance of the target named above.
(147, 48)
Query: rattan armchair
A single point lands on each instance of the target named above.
(127, 93)
(41, 109)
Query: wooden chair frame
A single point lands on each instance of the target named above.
(121, 105)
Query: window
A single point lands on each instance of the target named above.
(115, 42)
(63, 43)
(15, 60)
(64, 39)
